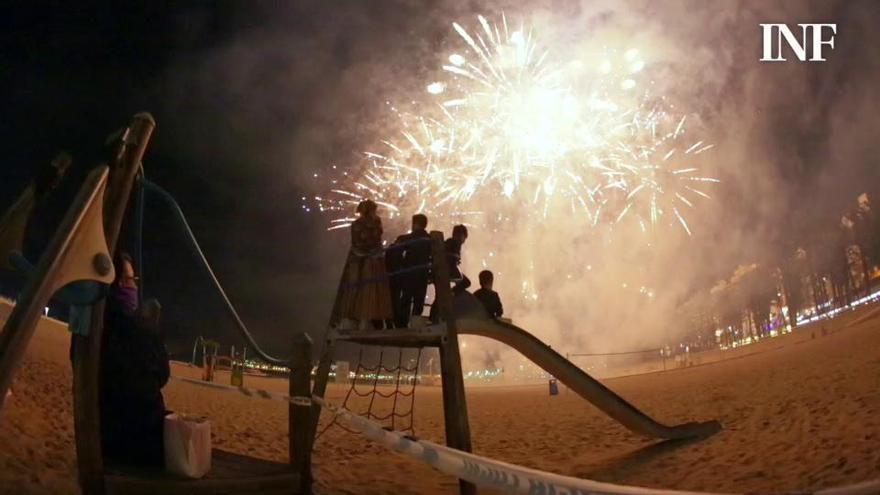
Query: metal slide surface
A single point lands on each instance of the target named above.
(580, 382)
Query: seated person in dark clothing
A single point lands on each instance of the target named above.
(414, 284)
(487, 296)
(134, 368)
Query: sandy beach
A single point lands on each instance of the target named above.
(803, 413)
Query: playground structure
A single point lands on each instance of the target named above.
(211, 361)
(209, 357)
(78, 259)
(365, 385)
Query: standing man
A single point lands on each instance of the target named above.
(414, 284)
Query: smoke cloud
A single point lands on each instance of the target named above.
(307, 86)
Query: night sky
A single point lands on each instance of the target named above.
(251, 98)
(74, 74)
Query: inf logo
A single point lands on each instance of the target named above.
(811, 36)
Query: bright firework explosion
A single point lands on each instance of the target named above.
(655, 171)
(509, 137)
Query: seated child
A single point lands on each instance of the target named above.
(487, 296)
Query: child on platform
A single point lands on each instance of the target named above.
(488, 297)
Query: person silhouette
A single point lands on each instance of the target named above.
(488, 297)
(453, 247)
(134, 369)
(366, 295)
(414, 283)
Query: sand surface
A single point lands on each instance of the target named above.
(803, 413)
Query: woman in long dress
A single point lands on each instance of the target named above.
(366, 294)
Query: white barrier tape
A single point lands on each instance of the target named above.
(864, 488)
(508, 478)
(511, 478)
(248, 392)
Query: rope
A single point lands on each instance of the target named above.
(351, 390)
(396, 387)
(401, 373)
(375, 384)
(615, 353)
(393, 247)
(386, 276)
(200, 255)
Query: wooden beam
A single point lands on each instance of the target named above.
(428, 336)
(410, 343)
(13, 224)
(299, 424)
(322, 376)
(458, 431)
(230, 474)
(87, 348)
(76, 252)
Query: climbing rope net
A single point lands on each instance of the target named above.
(370, 385)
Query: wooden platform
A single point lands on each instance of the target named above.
(427, 336)
(230, 474)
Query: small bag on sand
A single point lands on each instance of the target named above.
(187, 445)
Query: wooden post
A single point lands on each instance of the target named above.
(87, 348)
(458, 432)
(299, 422)
(322, 376)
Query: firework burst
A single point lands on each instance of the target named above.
(507, 134)
(655, 169)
